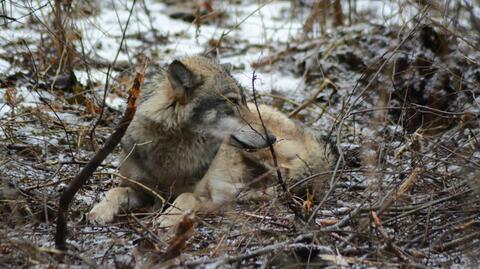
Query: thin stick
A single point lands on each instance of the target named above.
(124, 32)
(285, 245)
(310, 100)
(100, 155)
(274, 156)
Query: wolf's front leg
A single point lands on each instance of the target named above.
(115, 200)
(185, 202)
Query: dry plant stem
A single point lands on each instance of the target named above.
(472, 45)
(65, 50)
(290, 101)
(390, 198)
(398, 251)
(269, 60)
(27, 248)
(337, 13)
(291, 203)
(378, 225)
(429, 204)
(224, 34)
(7, 17)
(143, 186)
(306, 45)
(147, 230)
(31, 12)
(86, 260)
(310, 100)
(44, 100)
(286, 245)
(454, 243)
(370, 82)
(112, 141)
(402, 189)
(316, 14)
(107, 78)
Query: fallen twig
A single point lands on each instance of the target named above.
(378, 225)
(441, 247)
(112, 141)
(286, 245)
(402, 189)
(281, 182)
(312, 98)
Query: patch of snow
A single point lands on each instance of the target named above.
(31, 98)
(387, 12)
(97, 76)
(4, 65)
(115, 102)
(67, 118)
(265, 23)
(4, 108)
(266, 82)
(259, 23)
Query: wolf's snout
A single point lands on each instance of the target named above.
(249, 138)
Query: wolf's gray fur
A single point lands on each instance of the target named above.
(177, 130)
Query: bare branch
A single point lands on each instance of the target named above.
(87, 171)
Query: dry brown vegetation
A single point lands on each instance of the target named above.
(398, 96)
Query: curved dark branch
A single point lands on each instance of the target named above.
(100, 155)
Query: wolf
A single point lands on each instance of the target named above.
(196, 140)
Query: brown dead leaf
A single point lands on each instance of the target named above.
(183, 232)
(416, 253)
(92, 108)
(135, 90)
(466, 225)
(10, 97)
(308, 204)
(408, 183)
(468, 120)
(208, 6)
(327, 222)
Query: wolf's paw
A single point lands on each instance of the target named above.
(168, 221)
(101, 213)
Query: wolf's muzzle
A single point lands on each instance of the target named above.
(251, 139)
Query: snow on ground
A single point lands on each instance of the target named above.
(257, 24)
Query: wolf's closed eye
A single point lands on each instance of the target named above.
(233, 98)
(235, 101)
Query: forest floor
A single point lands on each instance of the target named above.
(396, 87)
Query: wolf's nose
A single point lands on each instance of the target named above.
(249, 138)
(271, 139)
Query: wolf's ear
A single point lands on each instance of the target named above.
(228, 67)
(182, 79)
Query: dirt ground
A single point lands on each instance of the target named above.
(394, 85)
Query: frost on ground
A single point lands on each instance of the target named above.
(395, 88)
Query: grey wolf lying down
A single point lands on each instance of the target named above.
(196, 139)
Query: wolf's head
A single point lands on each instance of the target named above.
(196, 94)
